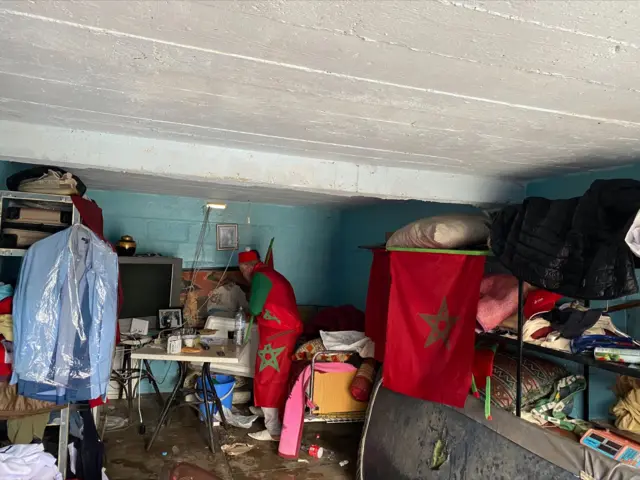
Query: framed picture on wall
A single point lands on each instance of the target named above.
(226, 236)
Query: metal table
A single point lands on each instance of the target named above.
(217, 358)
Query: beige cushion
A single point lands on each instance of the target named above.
(444, 231)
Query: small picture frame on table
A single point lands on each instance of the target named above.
(227, 236)
(170, 317)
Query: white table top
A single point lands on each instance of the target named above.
(228, 353)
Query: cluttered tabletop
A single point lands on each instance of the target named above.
(219, 351)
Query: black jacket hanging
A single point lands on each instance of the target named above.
(574, 247)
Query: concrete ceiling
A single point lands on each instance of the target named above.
(443, 100)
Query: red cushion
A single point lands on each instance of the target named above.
(362, 382)
(6, 306)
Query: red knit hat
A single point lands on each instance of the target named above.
(248, 256)
(539, 301)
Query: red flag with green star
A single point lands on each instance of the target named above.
(431, 325)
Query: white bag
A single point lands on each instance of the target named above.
(633, 236)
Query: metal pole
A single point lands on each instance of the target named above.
(585, 373)
(585, 394)
(168, 404)
(208, 413)
(63, 441)
(520, 345)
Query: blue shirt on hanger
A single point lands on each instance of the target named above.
(65, 312)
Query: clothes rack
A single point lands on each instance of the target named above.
(520, 345)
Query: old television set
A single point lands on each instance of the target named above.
(148, 285)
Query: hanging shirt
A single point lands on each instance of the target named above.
(65, 312)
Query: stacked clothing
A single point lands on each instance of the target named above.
(65, 315)
(573, 328)
(498, 303)
(26, 418)
(43, 179)
(27, 462)
(570, 327)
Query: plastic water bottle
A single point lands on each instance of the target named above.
(240, 325)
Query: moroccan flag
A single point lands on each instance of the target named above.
(431, 325)
(377, 307)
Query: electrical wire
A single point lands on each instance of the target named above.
(138, 391)
(166, 374)
(197, 264)
(200, 245)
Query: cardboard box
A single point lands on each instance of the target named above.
(331, 393)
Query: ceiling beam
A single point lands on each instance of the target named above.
(197, 162)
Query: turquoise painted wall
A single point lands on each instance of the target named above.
(367, 225)
(171, 226)
(7, 169)
(600, 396)
(567, 186)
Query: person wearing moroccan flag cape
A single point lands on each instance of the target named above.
(273, 305)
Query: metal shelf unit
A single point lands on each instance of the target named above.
(587, 361)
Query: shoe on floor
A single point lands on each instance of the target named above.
(256, 411)
(264, 436)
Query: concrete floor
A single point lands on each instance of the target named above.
(184, 441)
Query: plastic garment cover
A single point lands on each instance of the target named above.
(64, 312)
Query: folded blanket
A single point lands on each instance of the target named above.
(498, 300)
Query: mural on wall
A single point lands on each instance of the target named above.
(212, 289)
